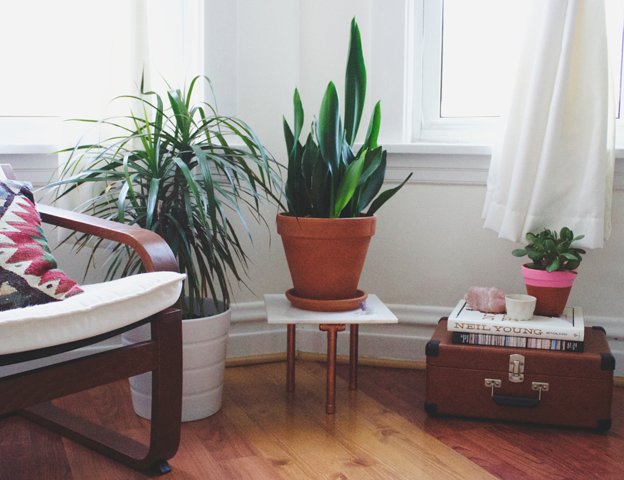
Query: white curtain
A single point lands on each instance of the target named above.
(554, 164)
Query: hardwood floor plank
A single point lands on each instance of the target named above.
(509, 451)
(378, 432)
(405, 451)
(268, 446)
(20, 441)
(296, 433)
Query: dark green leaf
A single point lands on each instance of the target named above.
(373, 185)
(385, 196)
(320, 198)
(328, 130)
(373, 128)
(554, 266)
(566, 234)
(298, 115)
(349, 183)
(355, 84)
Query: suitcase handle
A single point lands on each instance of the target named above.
(510, 401)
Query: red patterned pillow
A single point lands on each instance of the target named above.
(28, 271)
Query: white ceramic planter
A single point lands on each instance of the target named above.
(203, 363)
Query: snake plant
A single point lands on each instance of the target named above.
(327, 177)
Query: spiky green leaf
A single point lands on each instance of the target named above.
(355, 84)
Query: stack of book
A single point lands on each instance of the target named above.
(472, 327)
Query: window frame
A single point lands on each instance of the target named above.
(428, 124)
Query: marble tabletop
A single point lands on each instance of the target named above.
(280, 310)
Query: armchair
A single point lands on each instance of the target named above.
(39, 331)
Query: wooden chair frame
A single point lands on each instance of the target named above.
(29, 393)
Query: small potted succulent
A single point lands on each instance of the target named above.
(552, 271)
(332, 191)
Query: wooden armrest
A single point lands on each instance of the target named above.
(151, 248)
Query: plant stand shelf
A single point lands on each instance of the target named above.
(280, 311)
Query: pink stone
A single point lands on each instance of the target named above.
(486, 299)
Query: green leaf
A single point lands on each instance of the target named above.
(373, 128)
(293, 186)
(550, 245)
(566, 234)
(311, 156)
(152, 201)
(320, 186)
(385, 196)
(298, 115)
(519, 252)
(349, 183)
(355, 84)
(373, 185)
(288, 137)
(563, 246)
(573, 264)
(372, 163)
(554, 266)
(328, 129)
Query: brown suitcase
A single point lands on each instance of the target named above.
(521, 385)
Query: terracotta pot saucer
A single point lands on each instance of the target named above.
(339, 305)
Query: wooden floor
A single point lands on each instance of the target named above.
(378, 432)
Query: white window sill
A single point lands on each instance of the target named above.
(453, 163)
(439, 148)
(431, 148)
(28, 149)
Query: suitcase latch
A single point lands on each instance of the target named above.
(516, 368)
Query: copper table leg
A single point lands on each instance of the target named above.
(332, 332)
(290, 359)
(353, 355)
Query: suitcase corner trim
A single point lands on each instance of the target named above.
(431, 409)
(432, 349)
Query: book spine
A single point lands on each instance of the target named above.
(515, 329)
(485, 339)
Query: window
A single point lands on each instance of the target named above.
(69, 58)
(479, 38)
(468, 56)
(62, 55)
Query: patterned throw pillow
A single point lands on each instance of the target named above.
(28, 273)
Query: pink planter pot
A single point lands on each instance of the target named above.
(551, 289)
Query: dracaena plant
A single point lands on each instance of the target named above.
(327, 178)
(180, 169)
(551, 252)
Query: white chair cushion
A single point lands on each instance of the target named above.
(102, 307)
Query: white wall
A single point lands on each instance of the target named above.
(430, 245)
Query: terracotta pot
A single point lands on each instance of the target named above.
(325, 255)
(550, 288)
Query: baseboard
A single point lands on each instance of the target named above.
(400, 344)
